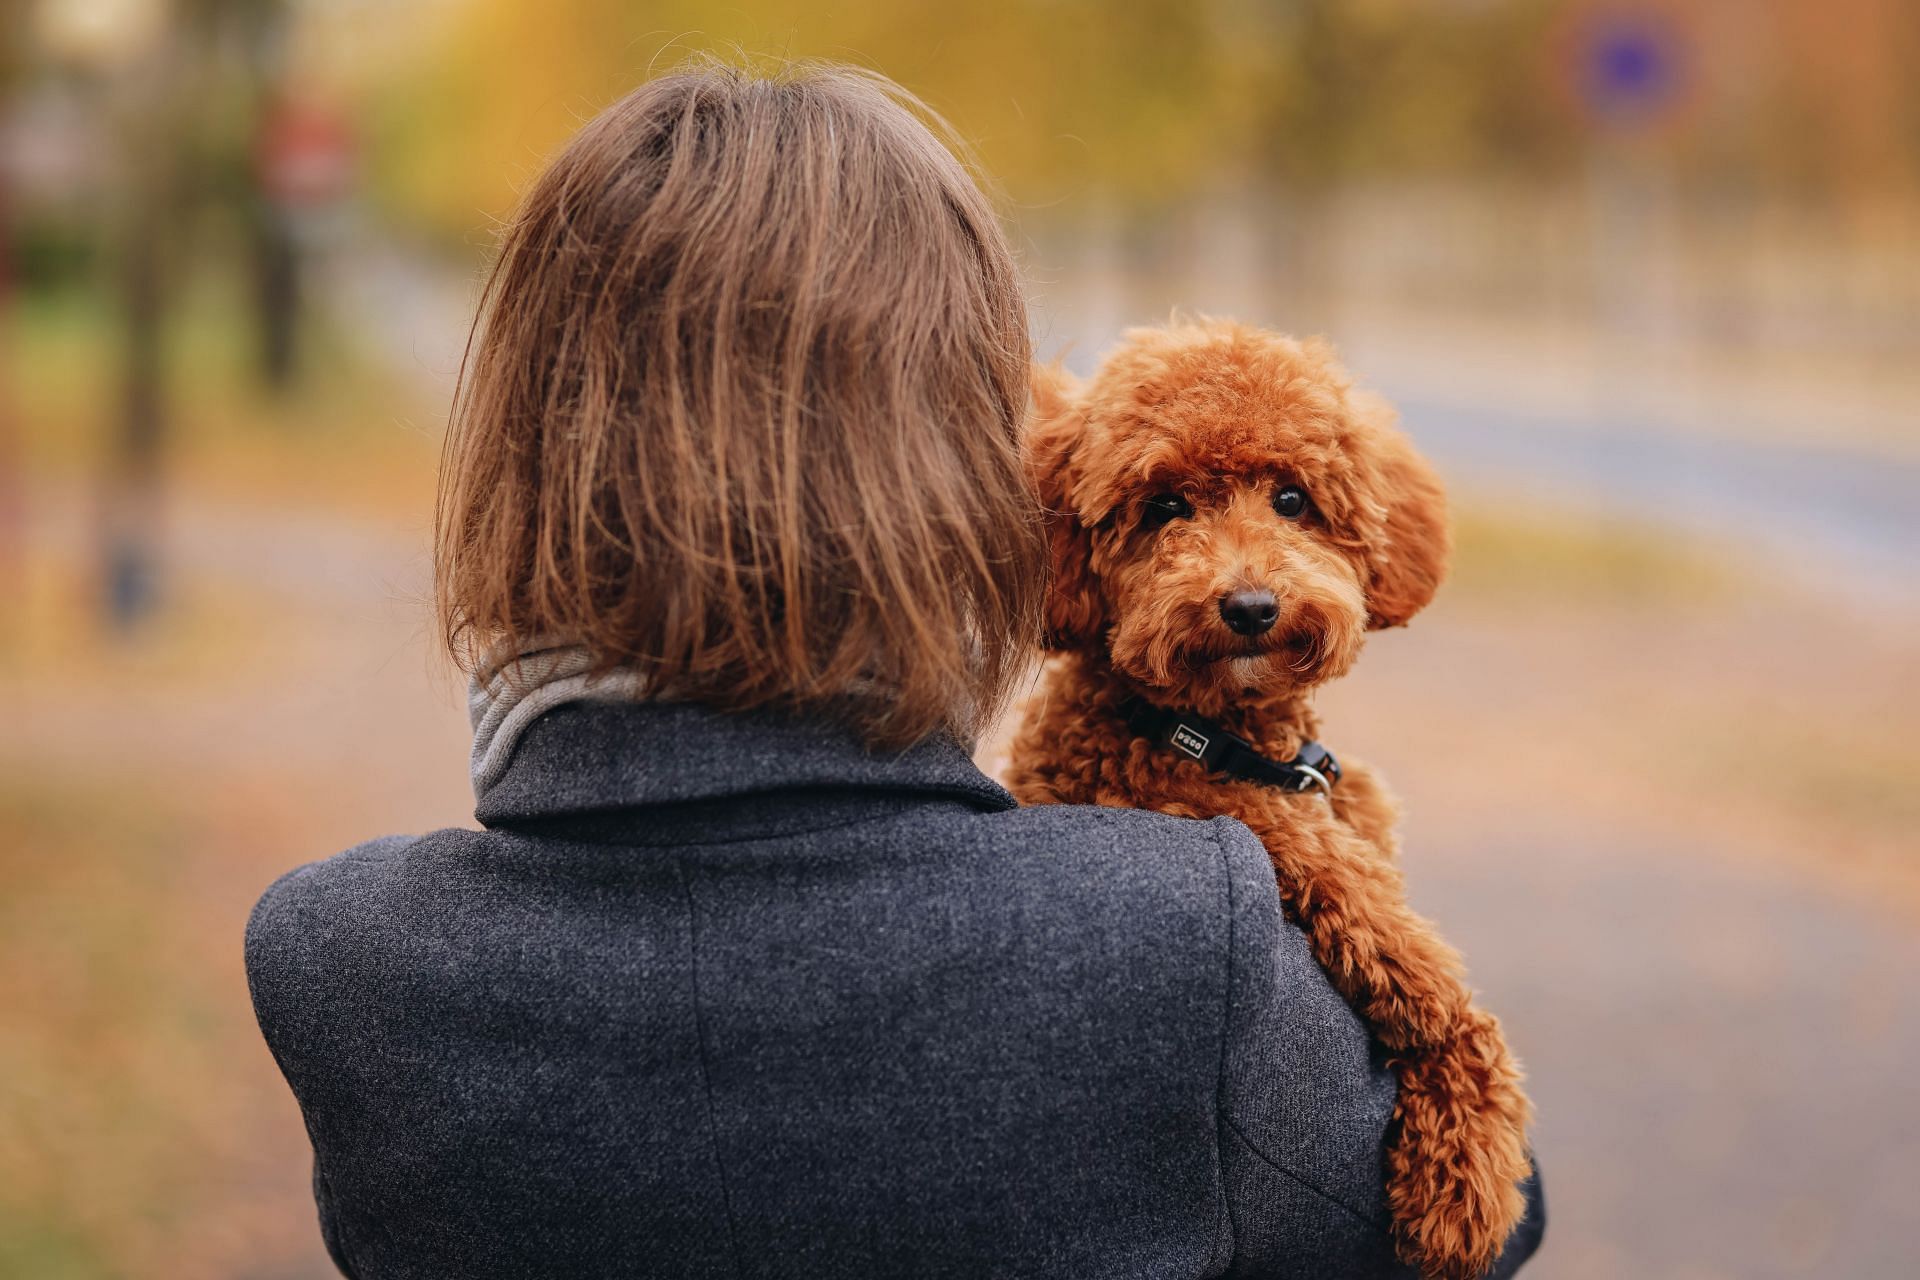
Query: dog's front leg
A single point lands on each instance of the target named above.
(1458, 1151)
(1388, 962)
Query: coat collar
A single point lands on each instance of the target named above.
(597, 757)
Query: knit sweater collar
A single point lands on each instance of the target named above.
(550, 740)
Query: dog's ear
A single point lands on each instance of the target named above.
(1054, 429)
(1407, 566)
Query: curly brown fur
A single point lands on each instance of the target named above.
(1223, 416)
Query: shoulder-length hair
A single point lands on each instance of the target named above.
(741, 411)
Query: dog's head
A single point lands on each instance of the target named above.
(1228, 513)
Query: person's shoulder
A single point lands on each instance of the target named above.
(326, 885)
(1138, 843)
(1178, 878)
(309, 915)
(1211, 882)
(1110, 826)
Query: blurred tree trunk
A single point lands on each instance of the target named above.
(277, 295)
(152, 107)
(260, 27)
(12, 506)
(12, 502)
(1315, 122)
(131, 513)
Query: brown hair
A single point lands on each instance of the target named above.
(741, 411)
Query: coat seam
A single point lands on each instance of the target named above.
(1222, 1121)
(1226, 1119)
(706, 1071)
(765, 837)
(1254, 1149)
(989, 799)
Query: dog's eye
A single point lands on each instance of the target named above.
(1291, 501)
(1162, 507)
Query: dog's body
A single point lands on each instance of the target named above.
(1228, 518)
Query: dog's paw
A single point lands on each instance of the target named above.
(1459, 1153)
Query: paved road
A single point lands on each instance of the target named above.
(1722, 1057)
(1831, 514)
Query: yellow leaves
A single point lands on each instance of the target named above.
(1056, 97)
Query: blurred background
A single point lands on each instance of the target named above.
(1643, 277)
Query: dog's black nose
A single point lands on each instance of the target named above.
(1249, 613)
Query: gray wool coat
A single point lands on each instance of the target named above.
(730, 996)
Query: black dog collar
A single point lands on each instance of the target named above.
(1201, 739)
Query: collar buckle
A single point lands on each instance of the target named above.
(1214, 748)
(1307, 778)
(1314, 767)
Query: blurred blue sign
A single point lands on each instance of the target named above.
(1630, 68)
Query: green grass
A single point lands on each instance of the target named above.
(1520, 551)
(31, 1246)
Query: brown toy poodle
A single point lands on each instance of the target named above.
(1229, 517)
